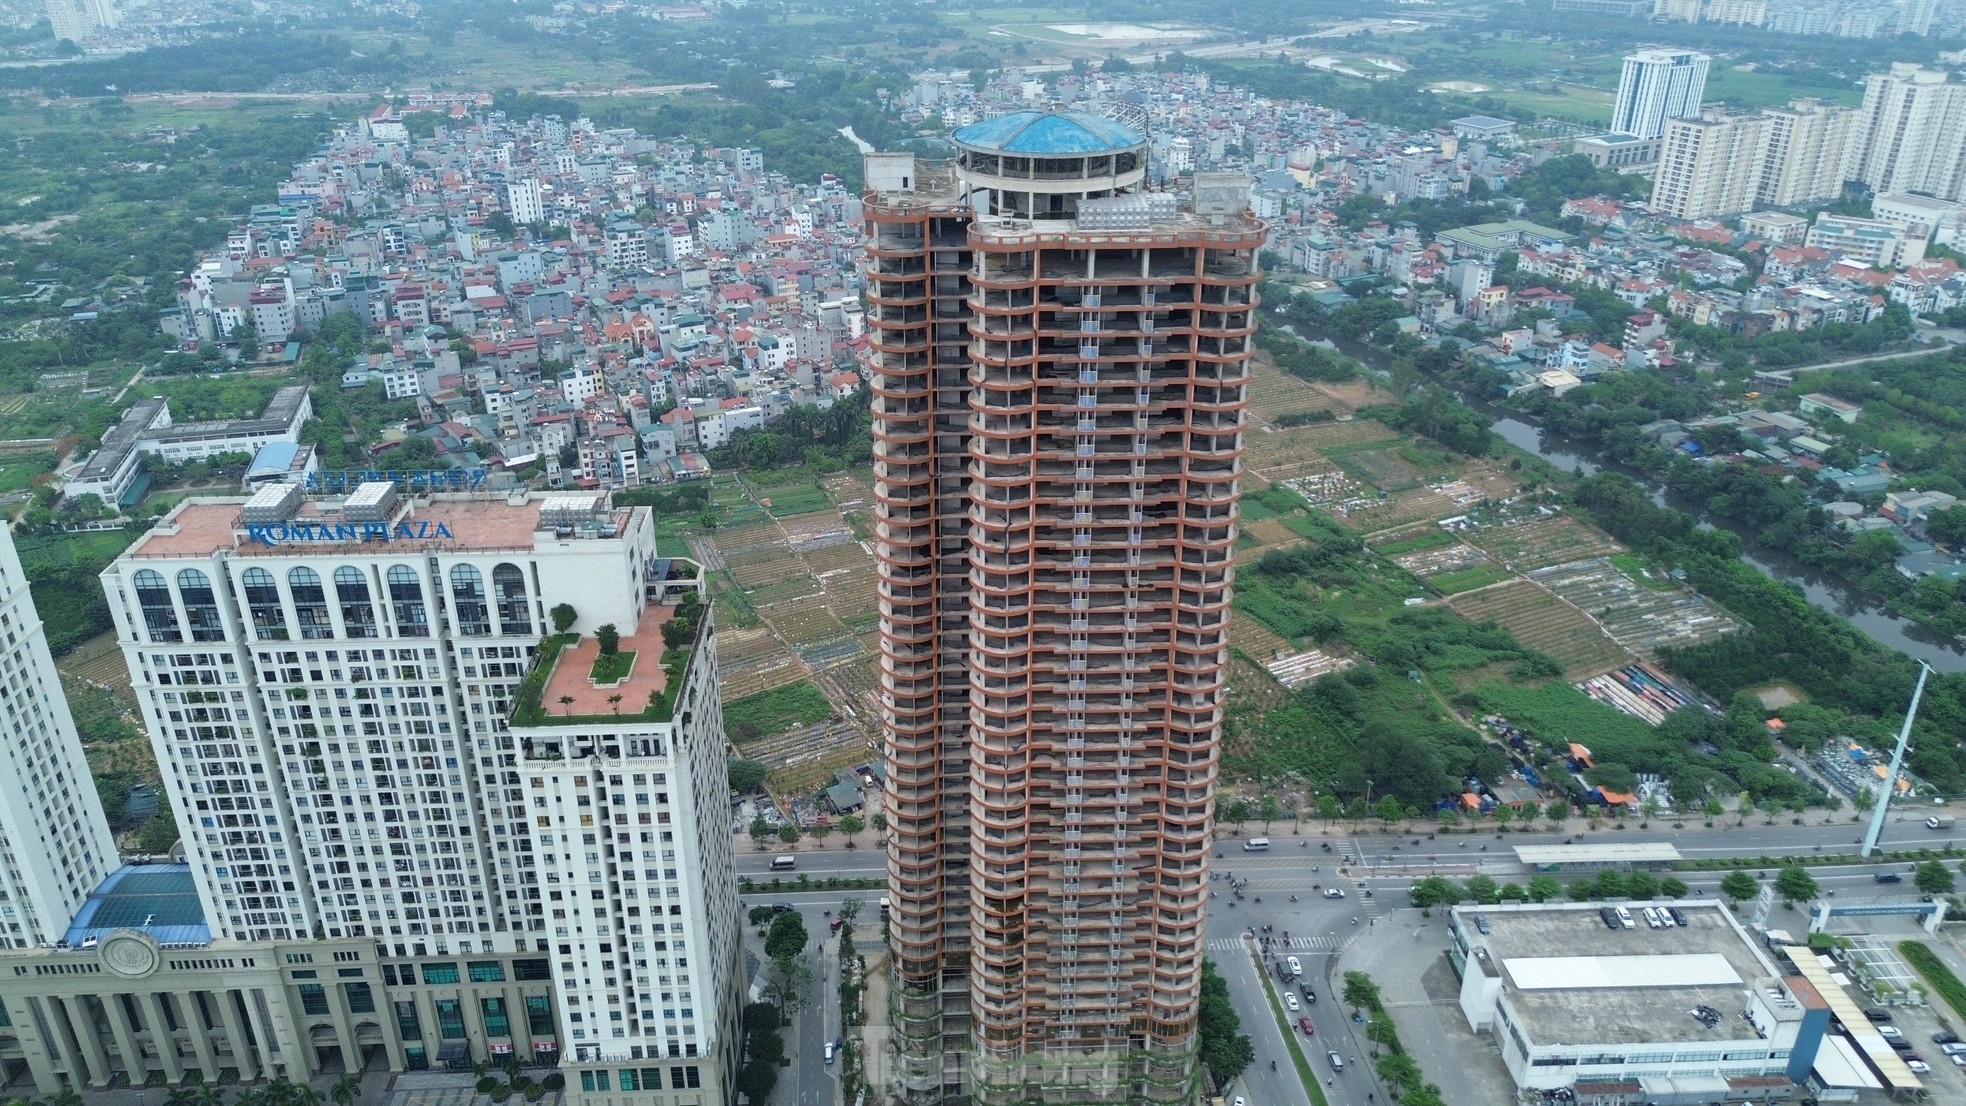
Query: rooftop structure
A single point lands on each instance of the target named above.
(158, 899)
(1048, 133)
(1693, 1006)
(1576, 858)
(146, 429)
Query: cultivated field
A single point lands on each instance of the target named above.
(1545, 623)
(1640, 618)
(1539, 541)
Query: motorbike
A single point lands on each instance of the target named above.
(1293, 898)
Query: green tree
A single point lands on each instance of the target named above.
(1482, 889)
(246, 334)
(564, 616)
(760, 831)
(746, 776)
(1642, 885)
(852, 825)
(346, 1089)
(610, 639)
(1268, 810)
(1544, 888)
(1329, 808)
(1794, 884)
(820, 831)
(878, 821)
(1511, 892)
(789, 833)
(1864, 800)
(1504, 814)
(1435, 891)
(761, 915)
(1739, 886)
(1672, 887)
(787, 936)
(1235, 811)
(1557, 811)
(1389, 810)
(1933, 878)
(1224, 1048)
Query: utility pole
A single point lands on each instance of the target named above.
(1897, 762)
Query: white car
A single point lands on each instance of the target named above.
(1890, 1033)
(1625, 918)
(1290, 1002)
(1295, 965)
(1241, 1101)
(829, 1052)
(1652, 918)
(1334, 893)
(1919, 1067)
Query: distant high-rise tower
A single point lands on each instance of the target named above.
(55, 845)
(1658, 85)
(1914, 133)
(527, 208)
(1061, 368)
(71, 20)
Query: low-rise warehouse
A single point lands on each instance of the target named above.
(1692, 1012)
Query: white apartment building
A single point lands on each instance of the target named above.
(1873, 242)
(1658, 85)
(1938, 222)
(335, 690)
(1723, 162)
(524, 198)
(1914, 133)
(54, 844)
(1710, 164)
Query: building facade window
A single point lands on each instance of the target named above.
(539, 1015)
(450, 1019)
(514, 609)
(313, 999)
(361, 1000)
(440, 973)
(486, 971)
(159, 615)
(310, 604)
(406, 602)
(468, 590)
(497, 1022)
(263, 600)
(351, 589)
(407, 1022)
(200, 606)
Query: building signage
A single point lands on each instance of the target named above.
(299, 531)
(444, 480)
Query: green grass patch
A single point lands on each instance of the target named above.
(1255, 510)
(18, 471)
(1634, 566)
(1936, 973)
(1468, 579)
(733, 606)
(775, 711)
(794, 499)
(612, 668)
(1434, 539)
(1558, 712)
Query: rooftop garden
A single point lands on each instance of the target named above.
(603, 684)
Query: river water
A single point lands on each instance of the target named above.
(1831, 594)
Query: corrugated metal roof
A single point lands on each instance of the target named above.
(1050, 132)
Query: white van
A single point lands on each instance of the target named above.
(784, 863)
(1625, 918)
(1256, 845)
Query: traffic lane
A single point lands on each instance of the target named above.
(1249, 995)
(853, 864)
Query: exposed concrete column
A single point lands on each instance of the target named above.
(234, 1023)
(162, 1037)
(193, 1016)
(125, 1033)
(43, 1048)
(83, 1027)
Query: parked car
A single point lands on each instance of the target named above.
(1625, 918)
(1890, 1033)
(1293, 965)
(1877, 1015)
(1945, 1037)
(1678, 915)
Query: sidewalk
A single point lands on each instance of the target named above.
(1420, 991)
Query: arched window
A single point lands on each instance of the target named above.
(357, 612)
(159, 615)
(263, 600)
(310, 603)
(200, 606)
(514, 610)
(406, 602)
(468, 590)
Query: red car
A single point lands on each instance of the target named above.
(1305, 1025)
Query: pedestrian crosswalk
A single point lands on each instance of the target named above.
(1295, 944)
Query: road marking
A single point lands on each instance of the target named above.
(1301, 944)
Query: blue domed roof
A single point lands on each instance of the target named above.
(1043, 133)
